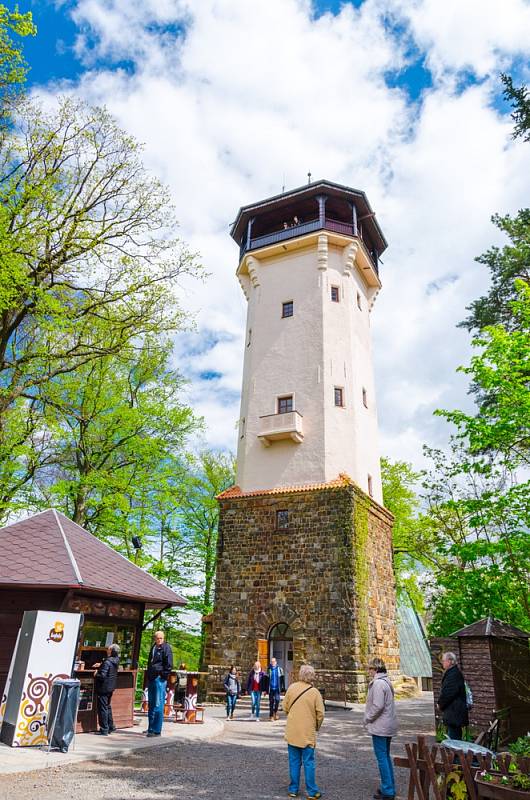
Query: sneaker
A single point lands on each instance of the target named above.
(314, 796)
(102, 733)
(292, 794)
(257, 719)
(151, 734)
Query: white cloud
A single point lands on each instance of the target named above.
(233, 96)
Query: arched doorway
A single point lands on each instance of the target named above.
(281, 648)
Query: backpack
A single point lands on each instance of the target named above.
(469, 695)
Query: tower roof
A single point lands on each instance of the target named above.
(296, 200)
(49, 550)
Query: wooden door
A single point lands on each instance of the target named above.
(263, 653)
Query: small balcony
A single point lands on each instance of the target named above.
(281, 426)
(301, 228)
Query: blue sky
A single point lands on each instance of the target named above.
(52, 52)
(399, 98)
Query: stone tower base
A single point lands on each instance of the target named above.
(327, 575)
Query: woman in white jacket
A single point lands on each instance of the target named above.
(381, 723)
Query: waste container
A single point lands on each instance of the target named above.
(62, 714)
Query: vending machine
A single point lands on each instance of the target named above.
(45, 651)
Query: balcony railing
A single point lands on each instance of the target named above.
(281, 426)
(283, 235)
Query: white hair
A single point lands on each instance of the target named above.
(449, 657)
(307, 673)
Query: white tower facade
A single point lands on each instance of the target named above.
(309, 269)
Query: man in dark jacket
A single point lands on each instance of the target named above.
(105, 681)
(452, 700)
(159, 668)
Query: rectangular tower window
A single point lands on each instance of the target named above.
(335, 294)
(370, 486)
(359, 306)
(365, 398)
(282, 520)
(287, 309)
(285, 404)
(339, 396)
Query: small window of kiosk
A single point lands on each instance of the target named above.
(97, 636)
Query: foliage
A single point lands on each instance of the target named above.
(89, 263)
(456, 785)
(186, 646)
(521, 746)
(478, 495)
(361, 573)
(506, 264)
(13, 67)
(117, 431)
(409, 531)
(520, 100)
(520, 781)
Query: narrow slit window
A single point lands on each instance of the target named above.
(242, 428)
(287, 309)
(365, 398)
(285, 404)
(282, 520)
(339, 396)
(370, 486)
(359, 305)
(335, 294)
(249, 338)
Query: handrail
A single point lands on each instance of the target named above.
(282, 414)
(284, 234)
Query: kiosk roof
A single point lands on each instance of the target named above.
(49, 550)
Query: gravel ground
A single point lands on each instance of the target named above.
(248, 760)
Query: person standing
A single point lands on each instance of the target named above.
(276, 686)
(159, 666)
(305, 714)
(256, 684)
(452, 701)
(233, 690)
(381, 722)
(180, 689)
(105, 681)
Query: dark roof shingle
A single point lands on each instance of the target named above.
(50, 550)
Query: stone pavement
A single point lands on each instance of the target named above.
(248, 761)
(90, 747)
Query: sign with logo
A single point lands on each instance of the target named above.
(45, 651)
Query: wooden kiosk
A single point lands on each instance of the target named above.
(49, 563)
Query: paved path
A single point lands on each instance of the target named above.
(247, 761)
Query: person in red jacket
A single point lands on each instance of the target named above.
(256, 684)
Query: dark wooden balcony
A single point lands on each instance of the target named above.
(308, 226)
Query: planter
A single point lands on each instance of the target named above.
(499, 791)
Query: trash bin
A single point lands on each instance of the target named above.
(62, 713)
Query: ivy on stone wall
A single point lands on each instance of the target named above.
(361, 572)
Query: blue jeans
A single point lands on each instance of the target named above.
(384, 762)
(274, 701)
(156, 697)
(256, 702)
(230, 704)
(297, 756)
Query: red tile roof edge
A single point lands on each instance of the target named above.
(343, 480)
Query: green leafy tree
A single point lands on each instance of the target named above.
(89, 261)
(506, 264)
(194, 542)
(519, 98)
(401, 498)
(13, 67)
(118, 428)
(480, 494)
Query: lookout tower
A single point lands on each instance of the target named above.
(309, 267)
(304, 556)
